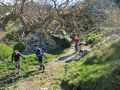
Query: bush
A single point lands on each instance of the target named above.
(5, 51)
(19, 46)
(92, 37)
(63, 42)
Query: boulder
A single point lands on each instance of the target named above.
(39, 39)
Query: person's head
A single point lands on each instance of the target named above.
(35, 47)
(16, 51)
(76, 37)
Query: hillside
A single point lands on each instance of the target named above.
(99, 70)
(9, 80)
(49, 25)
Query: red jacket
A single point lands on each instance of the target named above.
(77, 41)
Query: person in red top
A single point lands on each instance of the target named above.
(77, 44)
(16, 58)
(73, 35)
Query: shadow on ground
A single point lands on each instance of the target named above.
(13, 77)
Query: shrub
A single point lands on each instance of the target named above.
(92, 37)
(19, 46)
(63, 42)
(5, 51)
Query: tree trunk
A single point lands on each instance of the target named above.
(25, 27)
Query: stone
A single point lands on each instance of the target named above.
(39, 39)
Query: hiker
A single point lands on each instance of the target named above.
(40, 56)
(16, 58)
(73, 35)
(77, 44)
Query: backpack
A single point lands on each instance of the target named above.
(39, 52)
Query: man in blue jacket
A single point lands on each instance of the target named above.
(40, 56)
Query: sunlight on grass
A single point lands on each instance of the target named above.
(95, 68)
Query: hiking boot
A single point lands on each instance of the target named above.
(18, 73)
(43, 71)
(40, 68)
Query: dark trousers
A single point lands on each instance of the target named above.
(41, 63)
(17, 65)
(77, 47)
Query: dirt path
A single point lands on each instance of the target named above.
(71, 54)
(42, 81)
(34, 82)
(39, 81)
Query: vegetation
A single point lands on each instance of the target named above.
(19, 46)
(63, 42)
(29, 66)
(98, 70)
(117, 2)
(5, 51)
(93, 38)
(24, 23)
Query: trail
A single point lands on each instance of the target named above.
(34, 81)
(52, 68)
(71, 54)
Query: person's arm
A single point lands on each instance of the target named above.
(42, 52)
(79, 42)
(21, 55)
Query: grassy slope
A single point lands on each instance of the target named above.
(29, 66)
(96, 71)
(99, 70)
(36, 80)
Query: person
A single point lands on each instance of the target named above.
(16, 58)
(40, 56)
(77, 44)
(73, 35)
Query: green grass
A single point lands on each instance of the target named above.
(52, 75)
(29, 66)
(99, 70)
(58, 77)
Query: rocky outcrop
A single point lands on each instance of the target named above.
(39, 39)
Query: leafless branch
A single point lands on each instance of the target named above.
(5, 6)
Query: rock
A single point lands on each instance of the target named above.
(28, 51)
(39, 39)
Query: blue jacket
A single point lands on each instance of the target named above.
(38, 52)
